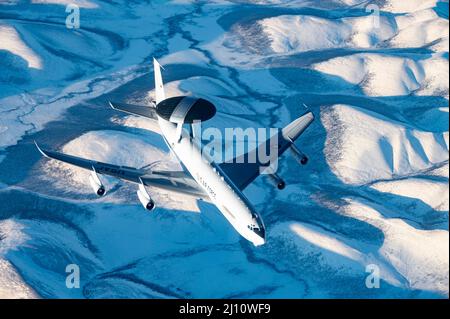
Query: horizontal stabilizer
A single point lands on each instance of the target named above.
(139, 110)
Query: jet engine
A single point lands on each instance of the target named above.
(96, 184)
(298, 155)
(278, 181)
(145, 198)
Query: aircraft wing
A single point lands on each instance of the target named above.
(242, 170)
(139, 110)
(176, 181)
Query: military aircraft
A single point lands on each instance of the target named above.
(220, 183)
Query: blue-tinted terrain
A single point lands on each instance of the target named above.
(373, 196)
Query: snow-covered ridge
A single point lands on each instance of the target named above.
(296, 33)
(12, 42)
(80, 3)
(386, 75)
(12, 285)
(375, 148)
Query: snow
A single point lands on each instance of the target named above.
(313, 33)
(12, 285)
(421, 28)
(87, 62)
(11, 41)
(107, 146)
(375, 148)
(383, 75)
(114, 147)
(421, 256)
(334, 252)
(187, 56)
(315, 238)
(80, 3)
(327, 34)
(399, 6)
(13, 235)
(436, 195)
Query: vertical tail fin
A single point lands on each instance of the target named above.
(159, 86)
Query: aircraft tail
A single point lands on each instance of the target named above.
(159, 86)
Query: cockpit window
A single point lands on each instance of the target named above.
(253, 226)
(256, 220)
(257, 226)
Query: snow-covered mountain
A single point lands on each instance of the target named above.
(375, 193)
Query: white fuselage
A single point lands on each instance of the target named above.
(228, 199)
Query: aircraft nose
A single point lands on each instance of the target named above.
(259, 241)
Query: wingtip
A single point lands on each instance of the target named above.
(111, 105)
(40, 149)
(307, 115)
(310, 113)
(157, 62)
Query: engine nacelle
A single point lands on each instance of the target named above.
(298, 155)
(96, 184)
(145, 198)
(278, 181)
